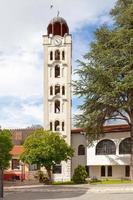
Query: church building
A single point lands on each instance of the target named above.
(109, 157)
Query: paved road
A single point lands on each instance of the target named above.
(81, 192)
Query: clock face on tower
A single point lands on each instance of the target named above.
(57, 41)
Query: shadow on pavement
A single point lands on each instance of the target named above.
(54, 192)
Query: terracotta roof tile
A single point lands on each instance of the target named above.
(17, 150)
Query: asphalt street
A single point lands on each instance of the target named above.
(80, 192)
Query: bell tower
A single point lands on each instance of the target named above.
(57, 86)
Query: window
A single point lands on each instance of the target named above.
(51, 90)
(63, 90)
(57, 71)
(57, 169)
(15, 164)
(51, 55)
(63, 55)
(81, 150)
(34, 167)
(50, 72)
(57, 106)
(102, 170)
(63, 124)
(125, 146)
(57, 89)
(109, 170)
(127, 170)
(57, 125)
(57, 55)
(106, 147)
(50, 126)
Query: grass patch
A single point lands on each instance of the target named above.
(63, 183)
(110, 181)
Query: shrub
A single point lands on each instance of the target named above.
(80, 174)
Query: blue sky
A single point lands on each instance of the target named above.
(21, 53)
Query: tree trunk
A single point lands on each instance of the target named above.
(1, 183)
(131, 163)
(49, 173)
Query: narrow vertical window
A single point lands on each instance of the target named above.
(57, 71)
(102, 170)
(50, 126)
(57, 106)
(51, 90)
(63, 55)
(63, 124)
(57, 89)
(63, 90)
(127, 171)
(109, 170)
(57, 125)
(51, 55)
(57, 55)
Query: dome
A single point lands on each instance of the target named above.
(58, 26)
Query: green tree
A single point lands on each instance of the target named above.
(106, 75)
(80, 174)
(46, 148)
(5, 156)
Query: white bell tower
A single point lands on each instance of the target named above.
(57, 86)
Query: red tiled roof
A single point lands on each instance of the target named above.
(17, 150)
(107, 129)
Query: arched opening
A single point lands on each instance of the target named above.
(57, 106)
(125, 146)
(57, 71)
(57, 89)
(63, 90)
(57, 125)
(63, 125)
(81, 150)
(63, 55)
(57, 55)
(106, 147)
(51, 55)
(51, 126)
(51, 90)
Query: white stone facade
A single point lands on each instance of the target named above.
(116, 166)
(57, 91)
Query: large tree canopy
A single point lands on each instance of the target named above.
(46, 148)
(106, 76)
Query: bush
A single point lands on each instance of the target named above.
(80, 174)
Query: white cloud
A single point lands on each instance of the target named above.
(22, 24)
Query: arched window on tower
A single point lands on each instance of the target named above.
(51, 55)
(57, 71)
(57, 106)
(51, 90)
(63, 55)
(125, 146)
(63, 90)
(63, 125)
(81, 150)
(50, 126)
(57, 125)
(106, 147)
(57, 55)
(57, 89)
